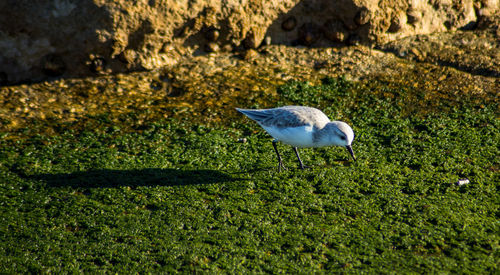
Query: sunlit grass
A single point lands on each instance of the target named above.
(179, 196)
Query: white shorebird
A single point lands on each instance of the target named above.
(301, 127)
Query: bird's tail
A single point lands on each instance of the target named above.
(257, 115)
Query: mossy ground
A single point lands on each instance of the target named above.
(177, 195)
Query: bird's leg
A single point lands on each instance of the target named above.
(298, 157)
(280, 162)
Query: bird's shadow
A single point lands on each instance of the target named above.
(105, 178)
(338, 162)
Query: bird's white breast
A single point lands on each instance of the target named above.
(295, 136)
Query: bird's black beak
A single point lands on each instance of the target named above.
(349, 148)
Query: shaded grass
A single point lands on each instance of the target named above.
(177, 196)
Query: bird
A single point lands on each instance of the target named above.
(301, 127)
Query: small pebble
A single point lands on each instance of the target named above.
(267, 41)
(461, 182)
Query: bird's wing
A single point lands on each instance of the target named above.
(290, 116)
(258, 115)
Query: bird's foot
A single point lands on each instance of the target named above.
(281, 166)
(303, 167)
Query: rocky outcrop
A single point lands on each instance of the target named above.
(69, 38)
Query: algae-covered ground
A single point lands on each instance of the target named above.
(177, 194)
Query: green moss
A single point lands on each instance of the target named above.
(179, 196)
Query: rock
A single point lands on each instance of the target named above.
(254, 38)
(489, 8)
(130, 35)
(97, 65)
(250, 55)
(267, 41)
(413, 16)
(397, 23)
(335, 31)
(309, 33)
(227, 48)
(128, 56)
(212, 35)
(362, 17)
(461, 182)
(212, 47)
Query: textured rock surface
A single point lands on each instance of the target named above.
(68, 38)
(210, 86)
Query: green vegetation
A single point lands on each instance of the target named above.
(178, 196)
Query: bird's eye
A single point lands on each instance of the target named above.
(342, 138)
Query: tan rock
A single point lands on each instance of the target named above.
(335, 31)
(40, 39)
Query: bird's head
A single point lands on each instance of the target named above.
(344, 136)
